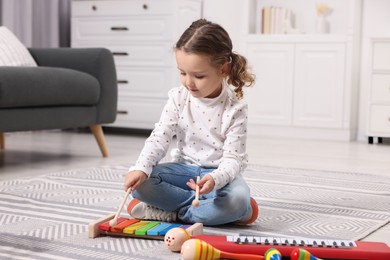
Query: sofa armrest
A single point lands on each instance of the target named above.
(98, 62)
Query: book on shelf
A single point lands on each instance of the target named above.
(276, 20)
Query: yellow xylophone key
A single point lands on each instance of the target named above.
(119, 228)
(132, 228)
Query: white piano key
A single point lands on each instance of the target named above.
(249, 239)
(243, 239)
(257, 239)
(262, 239)
(276, 241)
(230, 239)
(292, 241)
(337, 243)
(352, 243)
(283, 240)
(310, 242)
(329, 243)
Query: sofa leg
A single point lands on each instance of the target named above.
(97, 131)
(2, 141)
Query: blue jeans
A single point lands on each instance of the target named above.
(166, 189)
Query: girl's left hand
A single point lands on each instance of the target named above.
(206, 184)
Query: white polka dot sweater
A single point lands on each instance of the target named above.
(210, 132)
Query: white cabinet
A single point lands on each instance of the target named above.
(306, 83)
(319, 85)
(141, 35)
(270, 100)
(297, 84)
(379, 101)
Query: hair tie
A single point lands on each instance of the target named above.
(230, 59)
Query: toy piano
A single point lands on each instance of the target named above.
(129, 227)
(325, 249)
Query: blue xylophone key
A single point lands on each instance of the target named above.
(164, 231)
(157, 229)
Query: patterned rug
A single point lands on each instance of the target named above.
(46, 217)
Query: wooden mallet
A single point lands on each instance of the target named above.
(195, 202)
(114, 221)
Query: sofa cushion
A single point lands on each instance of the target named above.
(12, 51)
(46, 86)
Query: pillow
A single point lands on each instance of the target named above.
(12, 51)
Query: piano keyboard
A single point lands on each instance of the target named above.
(291, 241)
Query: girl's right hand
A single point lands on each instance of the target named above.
(206, 184)
(134, 179)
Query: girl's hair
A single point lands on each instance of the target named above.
(206, 38)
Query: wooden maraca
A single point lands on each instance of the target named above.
(175, 238)
(196, 249)
(302, 254)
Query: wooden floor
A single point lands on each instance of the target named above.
(36, 153)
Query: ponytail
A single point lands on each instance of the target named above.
(239, 75)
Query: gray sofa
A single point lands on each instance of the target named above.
(70, 88)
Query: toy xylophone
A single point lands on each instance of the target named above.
(326, 249)
(129, 227)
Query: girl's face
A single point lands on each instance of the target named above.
(199, 76)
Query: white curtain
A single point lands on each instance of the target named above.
(38, 23)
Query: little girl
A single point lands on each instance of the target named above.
(209, 120)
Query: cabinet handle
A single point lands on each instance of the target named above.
(120, 54)
(122, 81)
(145, 6)
(94, 7)
(122, 112)
(119, 28)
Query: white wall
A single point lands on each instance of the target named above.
(375, 23)
(230, 14)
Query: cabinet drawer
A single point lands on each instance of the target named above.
(380, 88)
(381, 56)
(380, 119)
(121, 7)
(155, 54)
(138, 113)
(142, 55)
(117, 29)
(150, 82)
